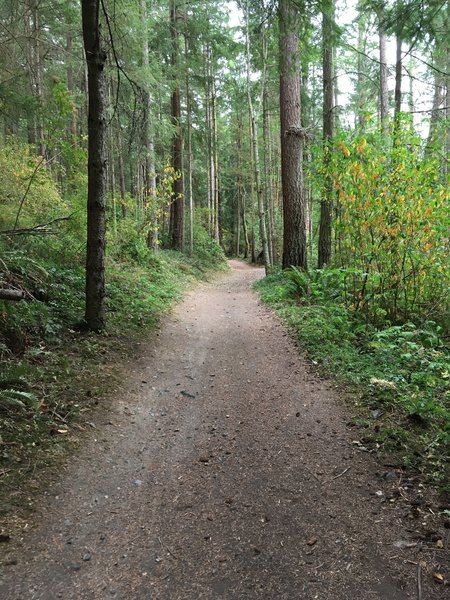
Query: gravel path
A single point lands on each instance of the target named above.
(224, 470)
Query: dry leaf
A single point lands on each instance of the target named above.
(440, 544)
(438, 577)
(312, 541)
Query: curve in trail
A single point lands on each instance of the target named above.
(214, 476)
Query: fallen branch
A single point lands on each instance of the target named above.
(164, 547)
(419, 581)
(340, 475)
(11, 294)
(42, 229)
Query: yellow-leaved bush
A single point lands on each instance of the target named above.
(392, 228)
(26, 187)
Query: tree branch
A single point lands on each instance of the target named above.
(41, 229)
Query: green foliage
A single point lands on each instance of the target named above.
(206, 249)
(391, 229)
(401, 370)
(16, 399)
(128, 242)
(25, 180)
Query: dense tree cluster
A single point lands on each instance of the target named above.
(241, 125)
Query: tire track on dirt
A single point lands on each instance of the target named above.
(214, 477)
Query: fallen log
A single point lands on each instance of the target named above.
(10, 294)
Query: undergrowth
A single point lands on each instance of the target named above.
(400, 372)
(56, 373)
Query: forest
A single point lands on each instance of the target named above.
(144, 143)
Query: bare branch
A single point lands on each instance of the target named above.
(41, 229)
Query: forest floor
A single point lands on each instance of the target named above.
(225, 468)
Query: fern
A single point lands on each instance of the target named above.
(301, 279)
(17, 399)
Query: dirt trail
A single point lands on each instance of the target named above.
(225, 470)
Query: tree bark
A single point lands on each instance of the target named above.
(149, 149)
(294, 240)
(361, 84)
(255, 157)
(240, 185)
(438, 98)
(190, 197)
(336, 111)
(446, 157)
(177, 206)
(411, 86)
(11, 295)
(398, 85)
(34, 65)
(209, 139)
(268, 175)
(215, 161)
(97, 160)
(122, 185)
(238, 221)
(71, 86)
(384, 93)
(326, 205)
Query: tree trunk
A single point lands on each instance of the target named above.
(215, 162)
(240, 185)
(190, 197)
(147, 137)
(255, 157)
(435, 119)
(238, 221)
(268, 176)
(361, 84)
(336, 110)
(384, 92)
(292, 142)
(32, 29)
(71, 86)
(398, 85)
(97, 160)
(446, 157)
(411, 85)
(326, 205)
(267, 148)
(177, 206)
(122, 186)
(209, 148)
(112, 181)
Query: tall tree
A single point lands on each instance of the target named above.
(384, 92)
(189, 161)
(292, 138)
(255, 153)
(267, 148)
(34, 64)
(177, 206)
(97, 160)
(148, 145)
(398, 79)
(326, 205)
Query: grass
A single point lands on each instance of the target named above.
(399, 373)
